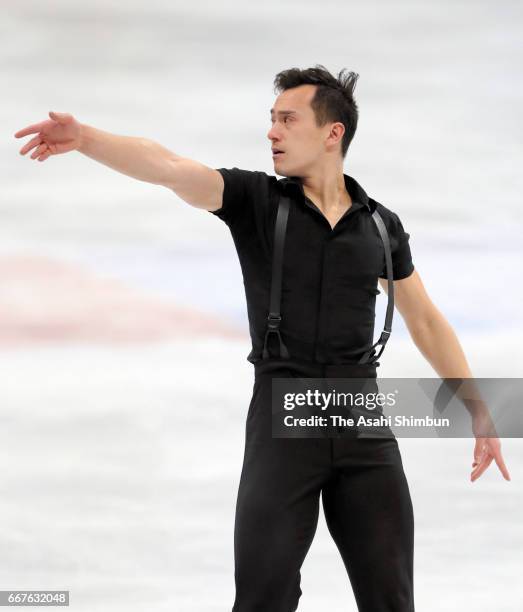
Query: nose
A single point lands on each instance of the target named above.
(272, 134)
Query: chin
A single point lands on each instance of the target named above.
(278, 163)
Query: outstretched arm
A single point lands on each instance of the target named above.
(438, 343)
(140, 158)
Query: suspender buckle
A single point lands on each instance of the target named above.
(284, 353)
(273, 321)
(384, 337)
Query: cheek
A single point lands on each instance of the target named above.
(315, 142)
(306, 144)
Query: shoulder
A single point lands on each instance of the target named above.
(385, 213)
(243, 176)
(245, 194)
(390, 218)
(399, 242)
(242, 183)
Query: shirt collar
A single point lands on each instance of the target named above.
(356, 191)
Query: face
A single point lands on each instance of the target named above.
(304, 145)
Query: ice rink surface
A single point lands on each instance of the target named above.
(120, 469)
(123, 331)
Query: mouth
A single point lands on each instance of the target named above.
(277, 153)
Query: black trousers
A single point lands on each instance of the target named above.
(365, 497)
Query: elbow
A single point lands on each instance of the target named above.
(427, 324)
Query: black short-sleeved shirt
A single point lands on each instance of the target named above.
(330, 276)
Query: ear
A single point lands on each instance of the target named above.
(337, 130)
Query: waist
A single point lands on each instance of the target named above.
(310, 369)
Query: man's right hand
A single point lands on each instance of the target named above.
(143, 159)
(59, 134)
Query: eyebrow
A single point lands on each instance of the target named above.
(284, 112)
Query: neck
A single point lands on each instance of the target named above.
(326, 188)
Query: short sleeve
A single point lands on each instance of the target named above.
(237, 200)
(402, 265)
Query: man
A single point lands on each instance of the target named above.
(332, 261)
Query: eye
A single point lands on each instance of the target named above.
(284, 119)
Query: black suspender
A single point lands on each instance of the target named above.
(274, 317)
(385, 334)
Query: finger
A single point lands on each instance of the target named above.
(479, 450)
(481, 468)
(44, 156)
(60, 117)
(39, 150)
(30, 129)
(477, 464)
(478, 458)
(31, 144)
(478, 471)
(501, 464)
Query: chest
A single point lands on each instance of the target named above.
(333, 215)
(350, 254)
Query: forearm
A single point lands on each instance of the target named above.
(439, 344)
(140, 158)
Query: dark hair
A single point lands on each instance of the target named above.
(333, 99)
